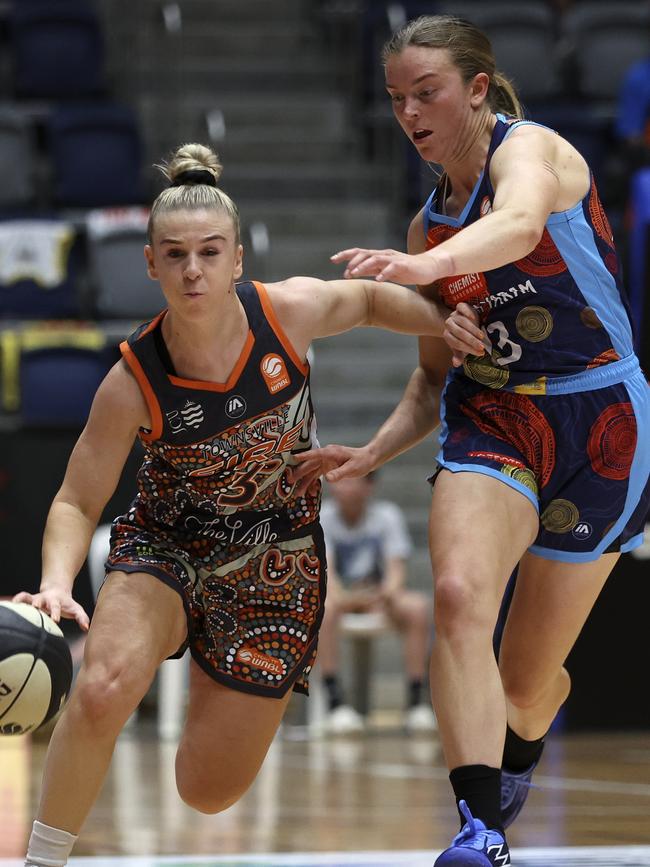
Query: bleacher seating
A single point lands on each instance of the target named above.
(122, 287)
(40, 262)
(96, 157)
(57, 49)
(50, 374)
(17, 158)
(605, 39)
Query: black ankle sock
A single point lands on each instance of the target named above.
(334, 698)
(518, 754)
(414, 693)
(480, 787)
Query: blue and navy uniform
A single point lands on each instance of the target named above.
(558, 407)
(216, 516)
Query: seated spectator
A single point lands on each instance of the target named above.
(367, 552)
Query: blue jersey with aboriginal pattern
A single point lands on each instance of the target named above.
(214, 480)
(557, 312)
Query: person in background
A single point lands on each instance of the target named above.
(368, 548)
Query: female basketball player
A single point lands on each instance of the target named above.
(217, 551)
(545, 444)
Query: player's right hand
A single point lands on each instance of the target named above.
(334, 462)
(57, 603)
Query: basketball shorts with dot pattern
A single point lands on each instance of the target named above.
(581, 458)
(252, 622)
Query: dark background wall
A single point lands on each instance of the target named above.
(32, 466)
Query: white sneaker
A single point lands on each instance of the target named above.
(344, 720)
(420, 718)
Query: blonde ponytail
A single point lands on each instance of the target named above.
(502, 96)
(193, 171)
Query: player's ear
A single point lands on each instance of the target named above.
(151, 268)
(239, 262)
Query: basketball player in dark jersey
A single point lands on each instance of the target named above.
(217, 550)
(545, 439)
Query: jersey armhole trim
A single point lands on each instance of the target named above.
(273, 321)
(147, 391)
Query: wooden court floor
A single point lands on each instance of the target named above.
(378, 800)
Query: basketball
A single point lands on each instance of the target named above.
(35, 668)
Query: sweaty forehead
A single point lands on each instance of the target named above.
(415, 61)
(190, 225)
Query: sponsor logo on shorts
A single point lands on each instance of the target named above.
(274, 371)
(582, 530)
(255, 659)
(236, 406)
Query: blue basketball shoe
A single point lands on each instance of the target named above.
(475, 846)
(514, 791)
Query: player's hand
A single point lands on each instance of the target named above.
(361, 600)
(334, 462)
(420, 269)
(463, 335)
(56, 603)
(389, 594)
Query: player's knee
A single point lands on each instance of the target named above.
(524, 691)
(106, 695)
(208, 802)
(458, 611)
(520, 691)
(208, 796)
(421, 610)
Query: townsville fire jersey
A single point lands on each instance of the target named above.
(555, 313)
(214, 476)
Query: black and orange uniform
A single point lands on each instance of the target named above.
(215, 515)
(558, 407)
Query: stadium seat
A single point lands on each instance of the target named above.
(95, 152)
(605, 40)
(51, 375)
(523, 38)
(40, 261)
(123, 289)
(57, 48)
(17, 152)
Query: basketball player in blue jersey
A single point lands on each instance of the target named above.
(545, 444)
(217, 551)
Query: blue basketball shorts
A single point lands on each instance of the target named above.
(581, 458)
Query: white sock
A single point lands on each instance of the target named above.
(49, 847)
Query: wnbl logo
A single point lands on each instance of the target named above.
(582, 530)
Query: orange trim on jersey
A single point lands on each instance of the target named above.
(147, 391)
(154, 323)
(220, 386)
(273, 321)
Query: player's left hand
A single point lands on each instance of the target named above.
(420, 269)
(462, 333)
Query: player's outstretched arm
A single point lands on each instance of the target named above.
(525, 174)
(414, 417)
(309, 308)
(93, 471)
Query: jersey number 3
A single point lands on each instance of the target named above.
(504, 343)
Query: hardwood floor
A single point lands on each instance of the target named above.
(381, 793)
